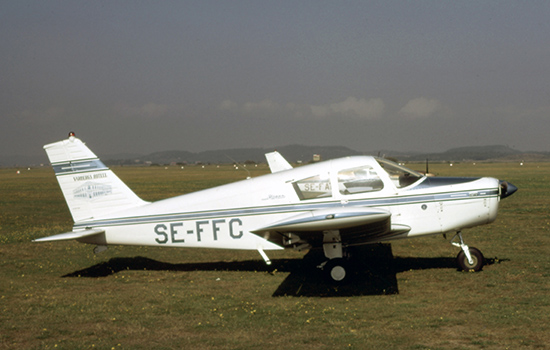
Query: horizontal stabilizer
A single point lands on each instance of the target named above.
(277, 162)
(70, 235)
(328, 219)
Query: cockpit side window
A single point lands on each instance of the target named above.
(313, 187)
(359, 180)
(400, 175)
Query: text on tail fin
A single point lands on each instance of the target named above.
(90, 189)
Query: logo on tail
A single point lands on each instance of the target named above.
(91, 190)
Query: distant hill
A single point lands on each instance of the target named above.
(23, 161)
(295, 153)
(292, 153)
(478, 153)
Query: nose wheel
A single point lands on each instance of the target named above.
(469, 258)
(476, 263)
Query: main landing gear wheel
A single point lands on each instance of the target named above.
(337, 270)
(477, 259)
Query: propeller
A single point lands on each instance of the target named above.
(506, 189)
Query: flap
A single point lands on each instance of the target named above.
(328, 219)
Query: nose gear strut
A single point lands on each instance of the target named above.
(469, 258)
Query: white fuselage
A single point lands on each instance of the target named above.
(225, 216)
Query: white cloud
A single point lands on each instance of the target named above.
(351, 107)
(264, 105)
(420, 107)
(365, 109)
(227, 105)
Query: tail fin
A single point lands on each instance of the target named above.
(90, 188)
(277, 162)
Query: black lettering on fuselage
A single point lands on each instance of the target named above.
(216, 229)
(199, 229)
(174, 232)
(232, 224)
(160, 230)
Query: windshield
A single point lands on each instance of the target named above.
(400, 175)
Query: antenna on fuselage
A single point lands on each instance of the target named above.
(242, 167)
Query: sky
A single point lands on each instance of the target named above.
(147, 76)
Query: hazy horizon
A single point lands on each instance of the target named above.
(140, 77)
(288, 151)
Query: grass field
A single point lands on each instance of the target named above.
(407, 296)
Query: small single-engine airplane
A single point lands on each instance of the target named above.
(333, 204)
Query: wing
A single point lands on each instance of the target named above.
(70, 235)
(356, 225)
(277, 162)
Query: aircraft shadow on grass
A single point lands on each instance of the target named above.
(374, 273)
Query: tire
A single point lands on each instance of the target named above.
(337, 271)
(477, 257)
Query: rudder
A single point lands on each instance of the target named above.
(91, 190)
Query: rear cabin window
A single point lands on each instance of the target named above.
(359, 180)
(313, 187)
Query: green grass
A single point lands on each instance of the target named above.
(61, 295)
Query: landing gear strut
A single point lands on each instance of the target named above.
(469, 258)
(336, 268)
